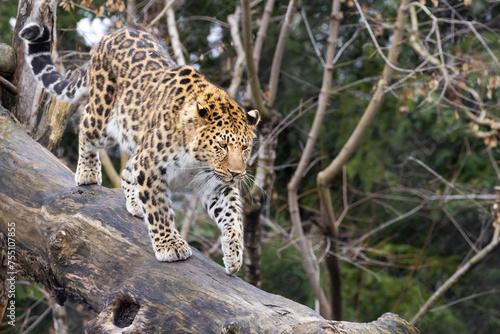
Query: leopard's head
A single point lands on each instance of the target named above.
(224, 134)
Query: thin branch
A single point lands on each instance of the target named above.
(259, 40)
(110, 169)
(190, 217)
(206, 18)
(251, 70)
(345, 46)
(459, 273)
(354, 83)
(37, 321)
(311, 37)
(389, 223)
(467, 23)
(460, 229)
(459, 300)
(174, 34)
(239, 65)
(131, 13)
(10, 87)
(494, 164)
(374, 39)
(433, 172)
(262, 33)
(418, 46)
(279, 51)
(168, 5)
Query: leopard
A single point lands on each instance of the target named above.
(179, 130)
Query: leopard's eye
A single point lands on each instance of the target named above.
(222, 145)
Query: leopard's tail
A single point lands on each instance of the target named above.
(38, 45)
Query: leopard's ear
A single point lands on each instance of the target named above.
(253, 117)
(202, 112)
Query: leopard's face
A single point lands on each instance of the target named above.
(224, 139)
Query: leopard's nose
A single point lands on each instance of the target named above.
(236, 174)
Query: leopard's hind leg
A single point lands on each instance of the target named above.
(95, 119)
(88, 170)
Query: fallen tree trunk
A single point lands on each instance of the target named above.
(82, 244)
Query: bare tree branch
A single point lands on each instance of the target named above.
(388, 61)
(279, 51)
(190, 217)
(10, 87)
(239, 65)
(131, 13)
(253, 79)
(262, 33)
(259, 41)
(311, 37)
(327, 175)
(168, 5)
(174, 33)
(459, 300)
(108, 166)
(266, 152)
(311, 267)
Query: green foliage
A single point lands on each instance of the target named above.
(30, 303)
(283, 274)
(8, 10)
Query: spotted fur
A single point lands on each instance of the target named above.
(179, 129)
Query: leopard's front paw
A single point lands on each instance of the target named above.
(233, 254)
(86, 175)
(174, 251)
(134, 208)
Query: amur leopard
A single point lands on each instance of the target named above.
(178, 129)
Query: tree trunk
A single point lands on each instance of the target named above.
(26, 104)
(82, 244)
(7, 60)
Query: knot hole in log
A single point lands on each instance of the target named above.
(68, 245)
(230, 327)
(125, 311)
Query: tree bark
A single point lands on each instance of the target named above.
(7, 68)
(26, 104)
(82, 244)
(7, 60)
